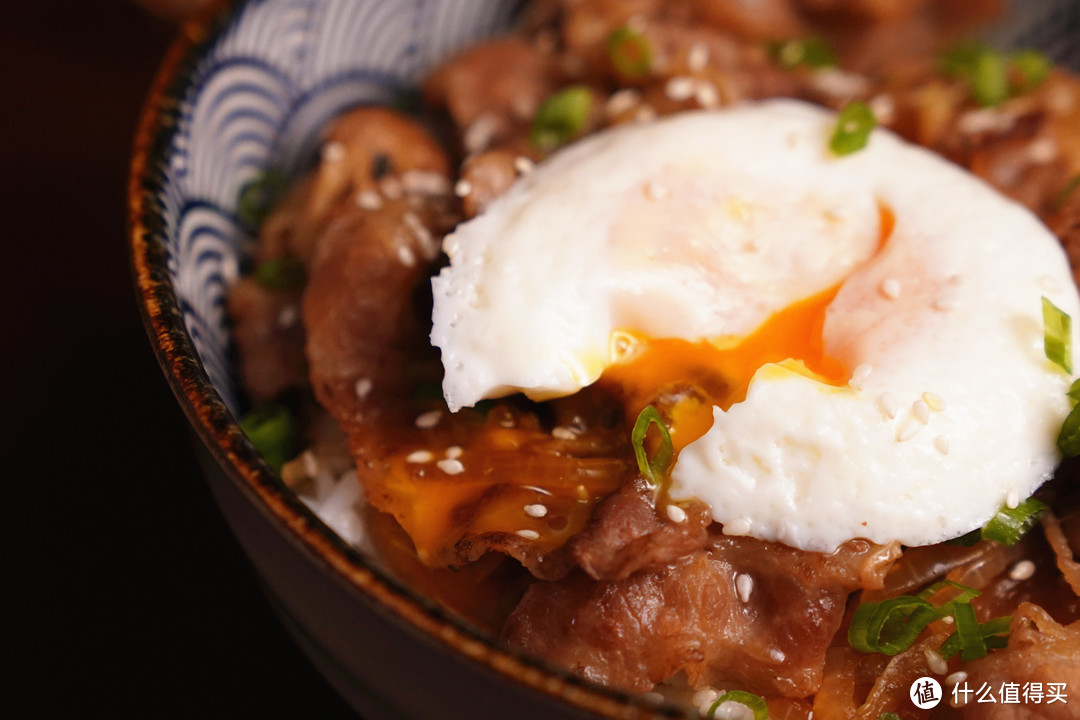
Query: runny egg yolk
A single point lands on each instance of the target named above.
(720, 370)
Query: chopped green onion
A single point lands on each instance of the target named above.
(969, 632)
(1032, 67)
(656, 468)
(754, 702)
(259, 195)
(630, 52)
(890, 626)
(853, 127)
(967, 539)
(281, 273)
(1068, 440)
(993, 634)
(1057, 335)
(1074, 392)
(1011, 524)
(966, 594)
(989, 79)
(960, 59)
(811, 52)
(272, 430)
(888, 716)
(561, 117)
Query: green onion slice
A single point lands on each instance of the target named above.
(1074, 392)
(1031, 67)
(989, 79)
(281, 273)
(811, 52)
(259, 195)
(1057, 335)
(754, 702)
(969, 632)
(890, 626)
(271, 429)
(630, 52)
(1011, 524)
(656, 468)
(1068, 440)
(993, 634)
(888, 716)
(964, 594)
(853, 127)
(561, 117)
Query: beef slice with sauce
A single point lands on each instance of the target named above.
(743, 610)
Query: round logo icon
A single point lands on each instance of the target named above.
(925, 693)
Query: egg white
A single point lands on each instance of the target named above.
(702, 226)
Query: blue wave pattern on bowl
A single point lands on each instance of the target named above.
(258, 99)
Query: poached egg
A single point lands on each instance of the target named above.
(876, 319)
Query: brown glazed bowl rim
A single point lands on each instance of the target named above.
(229, 446)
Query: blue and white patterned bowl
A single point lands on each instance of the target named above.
(247, 89)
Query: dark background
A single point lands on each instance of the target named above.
(132, 599)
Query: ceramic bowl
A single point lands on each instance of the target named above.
(246, 89)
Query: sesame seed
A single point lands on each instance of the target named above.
(680, 88)
(363, 387)
(451, 466)
(622, 101)
(945, 303)
(523, 165)
(889, 404)
(697, 57)
(1049, 284)
(536, 510)
(536, 489)
(884, 108)
(956, 678)
(429, 419)
(921, 410)
(645, 113)
(738, 526)
(859, 375)
(655, 191)
(890, 288)
(310, 463)
(463, 188)
(425, 182)
(528, 534)
(707, 95)
(420, 456)
(391, 188)
(1013, 498)
(933, 401)
(1043, 151)
(653, 697)
(563, 433)
(420, 232)
(941, 444)
(406, 256)
(333, 152)
(777, 654)
(288, 316)
(480, 133)
(744, 585)
(839, 84)
(369, 200)
(936, 662)
(454, 451)
(907, 430)
(676, 514)
(704, 698)
(1022, 570)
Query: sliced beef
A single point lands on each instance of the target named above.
(627, 534)
(743, 610)
(269, 338)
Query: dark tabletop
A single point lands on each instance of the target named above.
(132, 599)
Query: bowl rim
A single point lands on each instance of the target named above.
(220, 432)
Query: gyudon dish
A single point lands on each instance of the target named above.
(715, 349)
